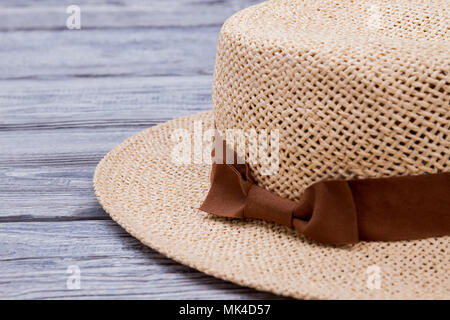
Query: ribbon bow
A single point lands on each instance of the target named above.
(326, 212)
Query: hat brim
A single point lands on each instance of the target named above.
(157, 201)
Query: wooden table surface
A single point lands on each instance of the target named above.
(66, 98)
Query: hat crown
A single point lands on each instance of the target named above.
(355, 90)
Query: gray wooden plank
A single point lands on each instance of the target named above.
(107, 53)
(66, 98)
(53, 133)
(102, 14)
(47, 174)
(100, 102)
(34, 258)
(48, 194)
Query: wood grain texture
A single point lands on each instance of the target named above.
(66, 98)
(91, 103)
(113, 14)
(107, 54)
(53, 133)
(34, 258)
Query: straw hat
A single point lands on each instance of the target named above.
(353, 203)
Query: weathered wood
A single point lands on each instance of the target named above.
(111, 54)
(34, 258)
(95, 103)
(53, 134)
(66, 98)
(104, 14)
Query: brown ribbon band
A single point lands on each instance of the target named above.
(339, 211)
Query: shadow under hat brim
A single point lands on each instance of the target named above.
(157, 201)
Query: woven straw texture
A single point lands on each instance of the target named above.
(156, 201)
(358, 89)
